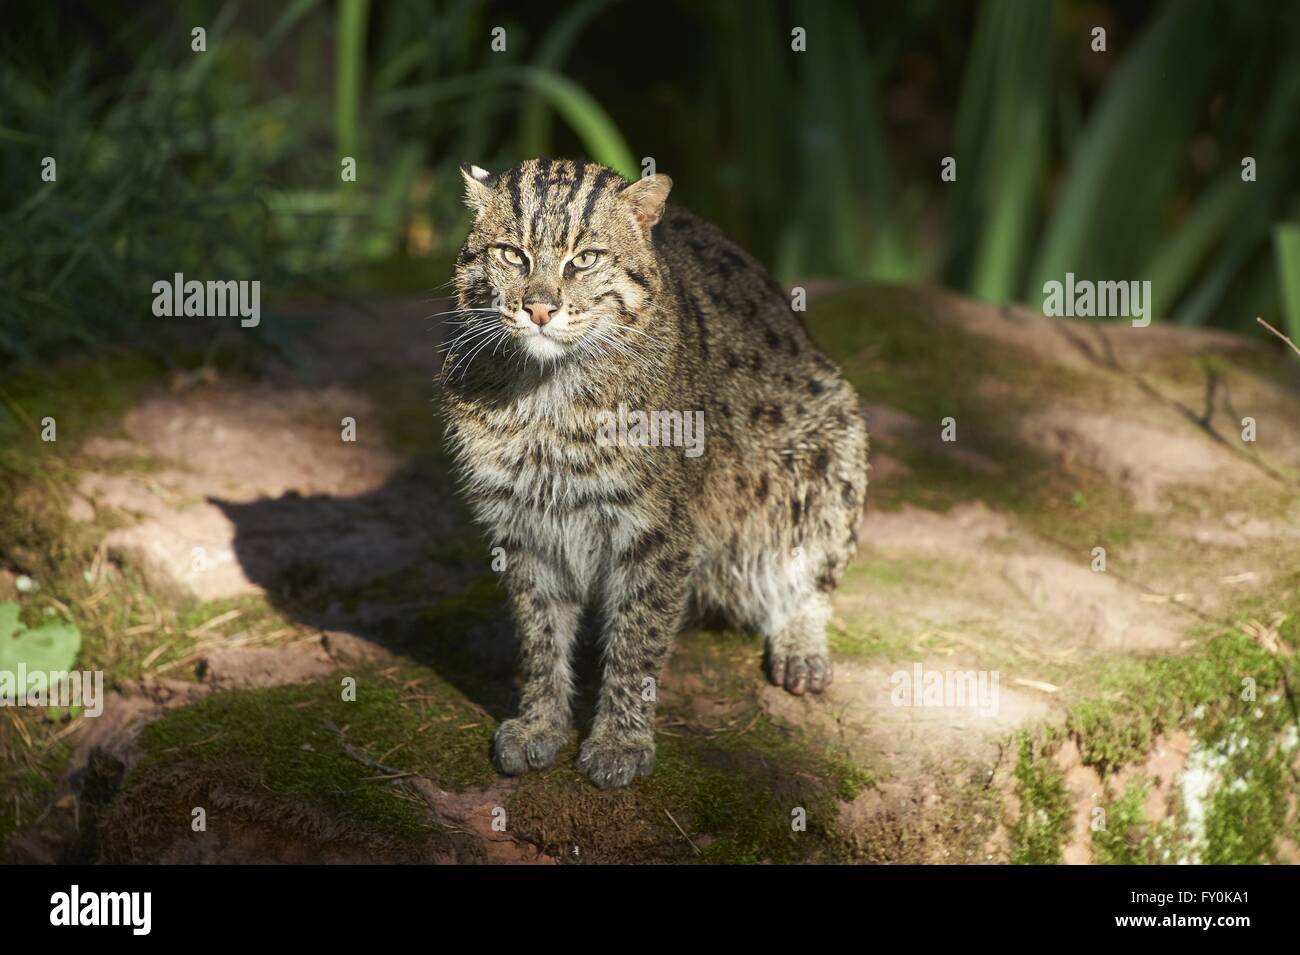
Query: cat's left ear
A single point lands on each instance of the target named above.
(479, 184)
(646, 198)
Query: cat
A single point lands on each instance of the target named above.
(582, 295)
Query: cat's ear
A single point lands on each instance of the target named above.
(646, 197)
(479, 184)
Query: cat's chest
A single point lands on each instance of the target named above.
(547, 481)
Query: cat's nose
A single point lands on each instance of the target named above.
(541, 312)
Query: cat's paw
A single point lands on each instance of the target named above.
(800, 673)
(520, 746)
(612, 762)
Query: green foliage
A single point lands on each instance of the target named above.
(1002, 146)
(1039, 832)
(165, 174)
(1126, 838)
(349, 76)
(1248, 809)
(1287, 242)
(1140, 698)
(1123, 164)
(210, 164)
(51, 648)
(552, 51)
(583, 113)
(1119, 179)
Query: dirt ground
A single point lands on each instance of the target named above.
(1065, 518)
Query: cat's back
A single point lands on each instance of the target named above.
(724, 283)
(765, 376)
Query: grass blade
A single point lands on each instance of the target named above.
(1286, 243)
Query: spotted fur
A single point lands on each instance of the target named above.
(670, 315)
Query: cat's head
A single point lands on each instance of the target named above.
(561, 250)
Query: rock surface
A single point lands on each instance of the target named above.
(978, 555)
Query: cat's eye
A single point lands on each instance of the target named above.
(584, 260)
(512, 255)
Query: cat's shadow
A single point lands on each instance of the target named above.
(377, 566)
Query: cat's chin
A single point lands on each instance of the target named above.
(543, 347)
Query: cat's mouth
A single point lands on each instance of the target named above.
(549, 341)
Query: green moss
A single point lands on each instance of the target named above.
(939, 482)
(897, 352)
(871, 570)
(1038, 835)
(80, 396)
(1235, 697)
(1248, 809)
(281, 756)
(888, 343)
(870, 640)
(437, 631)
(736, 796)
(90, 393)
(1139, 698)
(468, 549)
(28, 778)
(1127, 837)
(301, 586)
(254, 612)
(725, 790)
(448, 634)
(866, 636)
(1232, 361)
(482, 599)
(728, 662)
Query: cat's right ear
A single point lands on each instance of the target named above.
(479, 184)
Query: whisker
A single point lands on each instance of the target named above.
(468, 359)
(459, 344)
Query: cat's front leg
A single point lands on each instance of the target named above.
(546, 621)
(644, 606)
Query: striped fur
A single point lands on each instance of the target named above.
(672, 316)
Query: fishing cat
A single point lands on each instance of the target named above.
(590, 310)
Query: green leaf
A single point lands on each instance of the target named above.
(1119, 182)
(349, 75)
(584, 115)
(1002, 123)
(1286, 238)
(534, 122)
(52, 648)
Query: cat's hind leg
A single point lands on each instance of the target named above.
(775, 593)
(797, 655)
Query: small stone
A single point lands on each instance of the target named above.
(232, 667)
(81, 510)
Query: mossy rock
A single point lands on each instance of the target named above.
(296, 769)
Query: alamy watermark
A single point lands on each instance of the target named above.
(651, 429)
(965, 689)
(46, 688)
(1087, 299)
(212, 299)
(133, 910)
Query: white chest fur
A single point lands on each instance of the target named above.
(540, 480)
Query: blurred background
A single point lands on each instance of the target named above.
(1123, 164)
